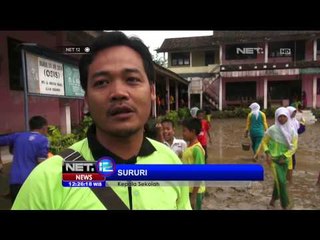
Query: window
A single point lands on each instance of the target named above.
(281, 49)
(284, 89)
(236, 91)
(209, 58)
(180, 59)
(15, 65)
(318, 86)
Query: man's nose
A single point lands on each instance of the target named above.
(118, 90)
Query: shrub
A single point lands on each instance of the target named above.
(183, 113)
(173, 116)
(59, 141)
(316, 113)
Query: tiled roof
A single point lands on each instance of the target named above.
(255, 36)
(167, 72)
(229, 37)
(186, 43)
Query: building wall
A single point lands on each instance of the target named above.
(259, 59)
(259, 84)
(12, 102)
(198, 59)
(307, 86)
(309, 50)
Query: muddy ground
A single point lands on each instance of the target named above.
(227, 135)
(226, 148)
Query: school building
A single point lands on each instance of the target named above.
(61, 104)
(235, 68)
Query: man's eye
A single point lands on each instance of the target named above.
(100, 83)
(133, 80)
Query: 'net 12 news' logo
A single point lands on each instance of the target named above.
(87, 174)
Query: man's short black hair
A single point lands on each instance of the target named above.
(111, 39)
(168, 121)
(37, 122)
(192, 124)
(150, 129)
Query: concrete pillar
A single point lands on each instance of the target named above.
(315, 50)
(266, 50)
(189, 97)
(220, 54)
(177, 96)
(65, 118)
(168, 93)
(265, 93)
(220, 94)
(314, 92)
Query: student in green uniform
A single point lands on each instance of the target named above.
(117, 77)
(194, 154)
(279, 144)
(256, 126)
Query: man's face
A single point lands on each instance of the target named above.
(168, 131)
(187, 134)
(118, 92)
(200, 115)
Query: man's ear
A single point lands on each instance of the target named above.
(86, 106)
(153, 92)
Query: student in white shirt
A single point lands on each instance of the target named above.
(176, 145)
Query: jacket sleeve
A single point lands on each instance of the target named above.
(264, 143)
(8, 139)
(292, 151)
(264, 119)
(183, 202)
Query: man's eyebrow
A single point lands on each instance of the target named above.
(131, 70)
(100, 73)
(107, 73)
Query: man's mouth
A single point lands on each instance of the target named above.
(120, 110)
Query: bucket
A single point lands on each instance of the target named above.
(245, 144)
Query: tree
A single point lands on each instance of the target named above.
(159, 60)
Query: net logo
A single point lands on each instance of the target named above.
(285, 51)
(106, 166)
(249, 50)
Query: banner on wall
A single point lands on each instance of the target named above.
(48, 77)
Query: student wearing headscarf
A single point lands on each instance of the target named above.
(193, 112)
(299, 128)
(256, 126)
(279, 144)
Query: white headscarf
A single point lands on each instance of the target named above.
(193, 112)
(255, 109)
(282, 133)
(294, 122)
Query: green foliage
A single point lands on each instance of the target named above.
(81, 130)
(183, 113)
(59, 141)
(316, 113)
(176, 116)
(160, 60)
(240, 113)
(269, 112)
(173, 116)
